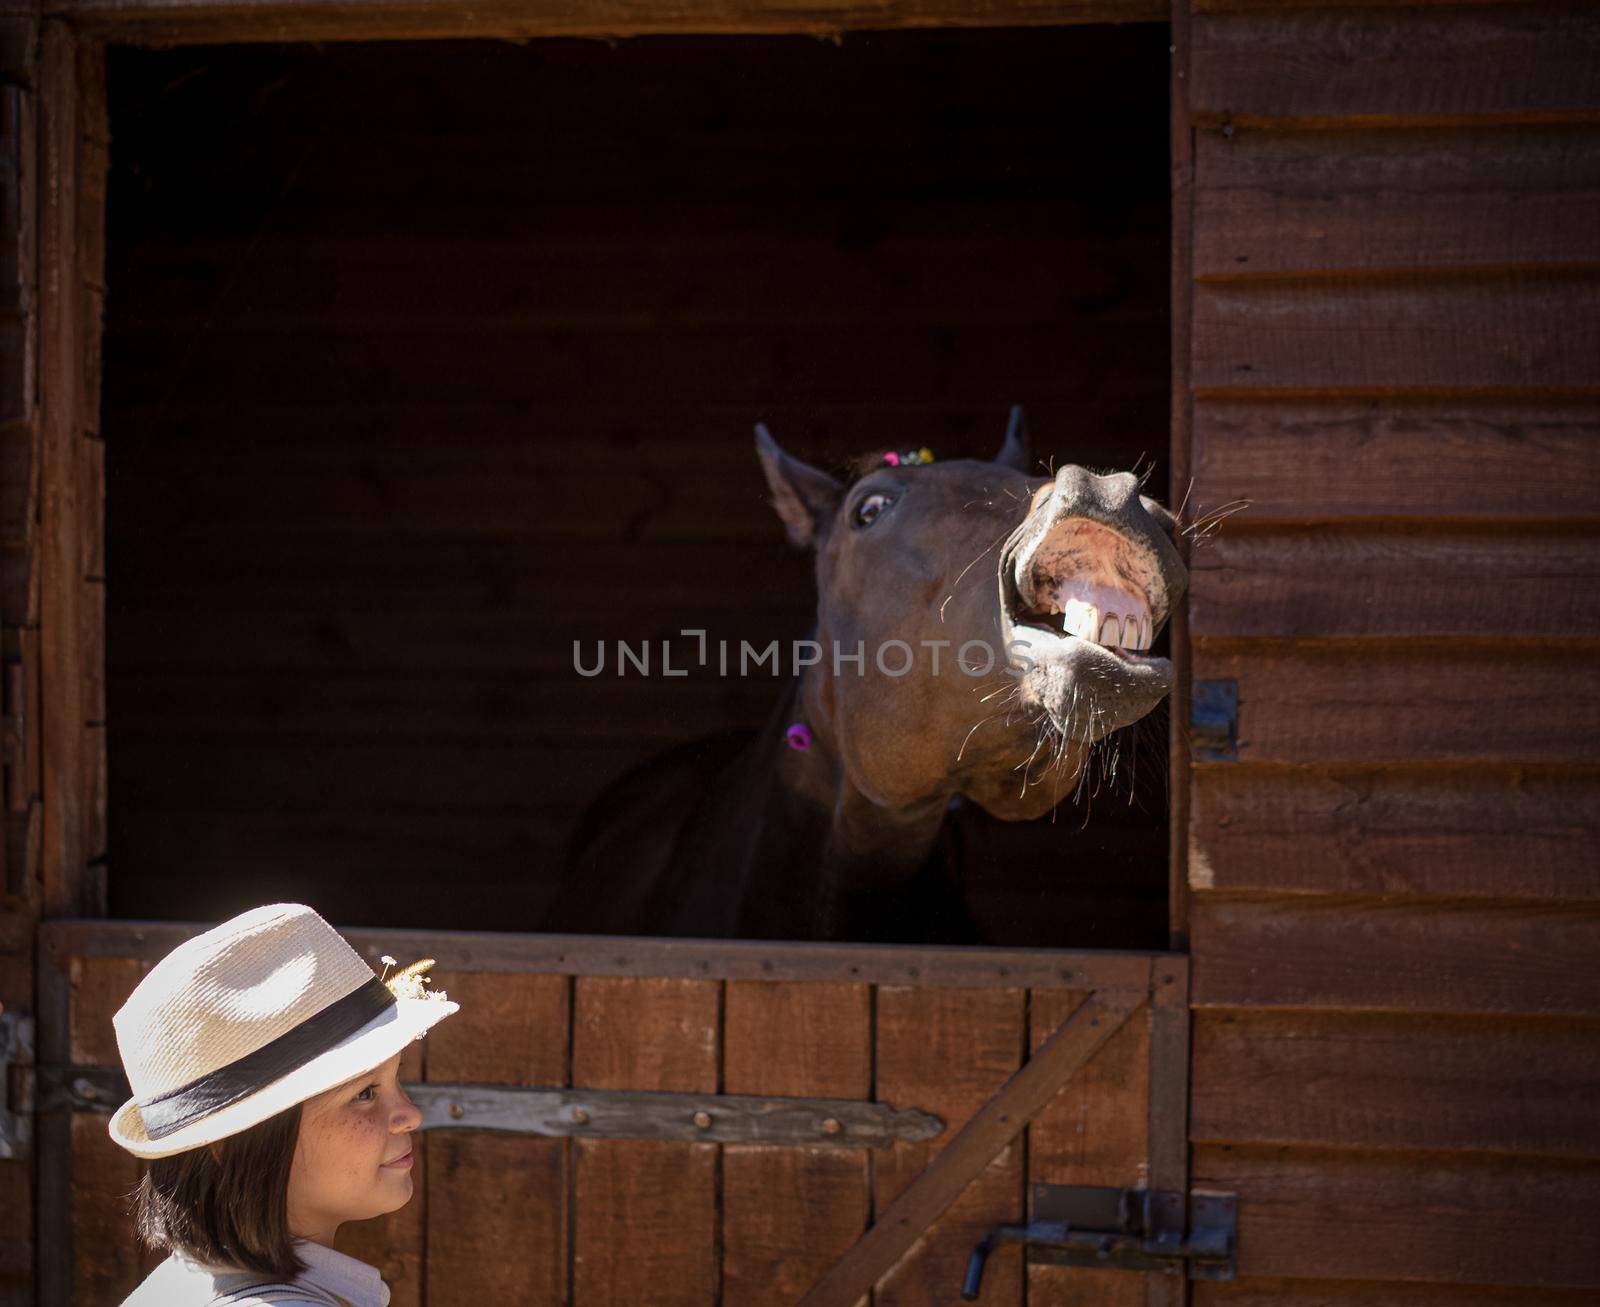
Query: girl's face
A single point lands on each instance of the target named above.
(352, 1160)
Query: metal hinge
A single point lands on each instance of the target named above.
(1214, 721)
(16, 1085)
(584, 1113)
(1123, 1229)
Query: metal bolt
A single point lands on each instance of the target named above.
(703, 1120)
(831, 1126)
(457, 1111)
(580, 1116)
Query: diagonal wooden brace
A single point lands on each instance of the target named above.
(979, 1142)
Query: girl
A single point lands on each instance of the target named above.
(263, 1058)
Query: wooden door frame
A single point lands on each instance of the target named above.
(55, 642)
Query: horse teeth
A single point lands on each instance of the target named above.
(1111, 629)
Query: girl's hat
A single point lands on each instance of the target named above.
(258, 1014)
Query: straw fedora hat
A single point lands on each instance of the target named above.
(254, 1016)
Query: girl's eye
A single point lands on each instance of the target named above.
(868, 509)
(366, 1095)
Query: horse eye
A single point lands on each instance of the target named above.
(868, 509)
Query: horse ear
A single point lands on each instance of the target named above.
(804, 496)
(1014, 453)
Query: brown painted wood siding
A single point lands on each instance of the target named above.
(1396, 357)
(426, 360)
(53, 141)
(18, 587)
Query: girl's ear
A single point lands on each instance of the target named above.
(804, 497)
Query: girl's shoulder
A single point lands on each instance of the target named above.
(177, 1282)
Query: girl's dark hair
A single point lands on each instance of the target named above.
(225, 1203)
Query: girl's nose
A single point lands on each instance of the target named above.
(407, 1116)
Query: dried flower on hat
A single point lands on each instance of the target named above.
(412, 982)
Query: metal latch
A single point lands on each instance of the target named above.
(16, 1085)
(1124, 1229)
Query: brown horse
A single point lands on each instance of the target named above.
(978, 629)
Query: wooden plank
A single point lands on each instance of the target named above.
(1169, 1072)
(982, 1145)
(331, 702)
(1278, 1292)
(571, 106)
(106, 1255)
(1423, 64)
(1180, 445)
(1452, 1217)
(488, 777)
(945, 1053)
(579, 280)
(321, 435)
(487, 1192)
(92, 495)
(450, 575)
(395, 1243)
(1399, 581)
(1396, 457)
(1368, 954)
(61, 358)
(1096, 1131)
(96, 813)
(108, 1265)
(708, 363)
(17, 1242)
(789, 1213)
(639, 503)
(1411, 703)
(334, 858)
(1274, 203)
(1491, 332)
(645, 1220)
(958, 967)
(1397, 1081)
(169, 22)
(1463, 832)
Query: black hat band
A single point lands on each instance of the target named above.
(166, 1114)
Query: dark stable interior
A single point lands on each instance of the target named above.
(423, 361)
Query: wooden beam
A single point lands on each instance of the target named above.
(1180, 462)
(60, 361)
(185, 22)
(955, 966)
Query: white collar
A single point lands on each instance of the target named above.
(354, 1281)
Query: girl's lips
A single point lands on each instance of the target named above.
(399, 1163)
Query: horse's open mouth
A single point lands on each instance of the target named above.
(1082, 582)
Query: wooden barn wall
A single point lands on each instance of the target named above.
(53, 140)
(424, 360)
(1396, 357)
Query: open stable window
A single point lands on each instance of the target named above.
(430, 364)
(431, 367)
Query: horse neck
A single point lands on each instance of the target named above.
(822, 848)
